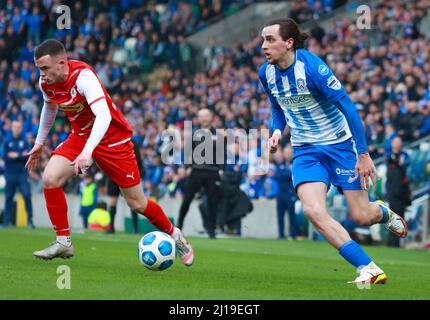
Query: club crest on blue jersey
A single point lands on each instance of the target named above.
(301, 85)
(323, 70)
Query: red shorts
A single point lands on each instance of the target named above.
(118, 160)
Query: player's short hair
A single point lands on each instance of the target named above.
(288, 28)
(51, 46)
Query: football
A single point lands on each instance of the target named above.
(157, 251)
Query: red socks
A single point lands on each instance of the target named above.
(57, 209)
(157, 217)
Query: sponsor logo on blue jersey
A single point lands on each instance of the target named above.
(333, 83)
(295, 101)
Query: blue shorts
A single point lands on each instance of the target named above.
(334, 163)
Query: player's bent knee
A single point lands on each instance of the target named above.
(51, 181)
(314, 212)
(137, 205)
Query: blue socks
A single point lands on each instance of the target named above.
(354, 254)
(385, 214)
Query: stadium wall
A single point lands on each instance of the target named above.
(260, 223)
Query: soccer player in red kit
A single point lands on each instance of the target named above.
(100, 133)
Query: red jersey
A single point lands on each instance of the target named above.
(71, 97)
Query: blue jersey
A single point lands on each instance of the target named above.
(304, 96)
(15, 165)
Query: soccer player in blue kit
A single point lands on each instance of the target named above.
(328, 141)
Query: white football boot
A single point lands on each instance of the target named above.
(184, 249)
(55, 250)
(370, 274)
(396, 224)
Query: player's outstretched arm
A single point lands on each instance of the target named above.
(278, 126)
(34, 156)
(47, 118)
(274, 141)
(364, 167)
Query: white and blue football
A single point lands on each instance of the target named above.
(157, 251)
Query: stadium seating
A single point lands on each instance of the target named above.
(146, 64)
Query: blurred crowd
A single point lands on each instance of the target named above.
(306, 10)
(389, 81)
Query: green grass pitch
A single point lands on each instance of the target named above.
(106, 267)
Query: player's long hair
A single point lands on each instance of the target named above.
(288, 28)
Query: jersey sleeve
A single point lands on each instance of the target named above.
(88, 85)
(278, 115)
(47, 118)
(324, 80)
(347, 107)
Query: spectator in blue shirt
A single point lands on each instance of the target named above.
(34, 23)
(425, 127)
(16, 175)
(18, 20)
(286, 197)
(25, 71)
(27, 53)
(390, 134)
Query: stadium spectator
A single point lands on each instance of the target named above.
(424, 130)
(398, 190)
(412, 121)
(286, 197)
(15, 156)
(34, 25)
(204, 171)
(89, 197)
(99, 218)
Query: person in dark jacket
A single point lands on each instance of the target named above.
(286, 196)
(411, 121)
(15, 156)
(203, 173)
(398, 190)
